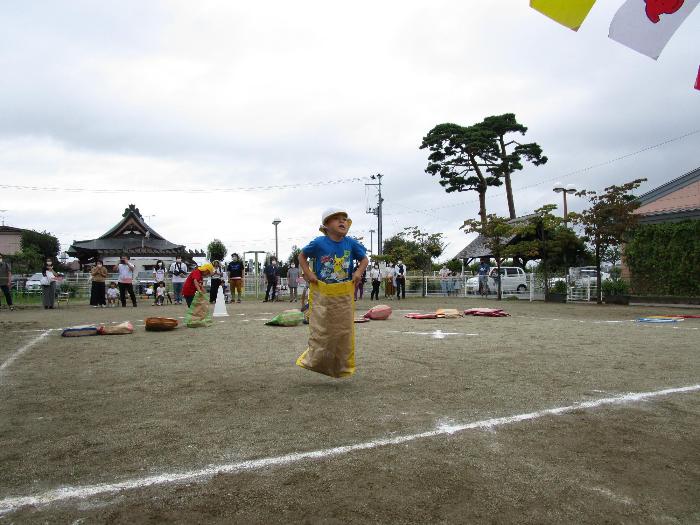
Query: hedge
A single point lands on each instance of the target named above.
(664, 259)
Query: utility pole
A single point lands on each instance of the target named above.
(378, 210)
(371, 241)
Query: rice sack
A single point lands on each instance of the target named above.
(160, 324)
(287, 318)
(331, 349)
(198, 313)
(118, 329)
(381, 312)
(79, 331)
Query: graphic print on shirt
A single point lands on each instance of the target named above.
(335, 269)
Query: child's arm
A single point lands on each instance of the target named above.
(309, 275)
(357, 276)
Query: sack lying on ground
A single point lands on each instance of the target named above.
(160, 324)
(415, 315)
(448, 313)
(198, 313)
(118, 329)
(79, 331)
(287, 318)
(331, 349)
(486, 312)
(380, 312)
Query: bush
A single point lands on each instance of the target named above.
(559, 287)
(615, 287)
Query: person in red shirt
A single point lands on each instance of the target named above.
(195, 282)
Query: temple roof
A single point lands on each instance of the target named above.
(130, 236)
(477, 248)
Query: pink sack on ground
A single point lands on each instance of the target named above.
(380, 312)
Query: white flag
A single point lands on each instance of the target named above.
(647, 26)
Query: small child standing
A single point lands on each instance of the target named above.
(331, 348)
(160, 294)
(112, 295)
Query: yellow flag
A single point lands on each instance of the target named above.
(570, 13)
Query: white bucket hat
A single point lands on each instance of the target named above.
(329, 212)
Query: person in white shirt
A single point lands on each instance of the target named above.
(400, 273)
(375, 276)
(444, 274)
(126, 280)
(178, 270)
(160, 294)
(48, 284)
(158, 275)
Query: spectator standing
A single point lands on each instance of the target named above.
(444, 274)
(126, 280)
(360, 286)
(483, 272)
(292, 281)
(97, 289)
(178, 271)
(375, 276)
(235, 276)
(457, 283)
(271, 272)
(400, 273)
(6, 281)
(216, 277)
(159, 272)
(389, 288)
(112, 295)
(48, 284)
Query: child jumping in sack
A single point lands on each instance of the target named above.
(332, 282)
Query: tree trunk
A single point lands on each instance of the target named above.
(482, 205)
(509, 194)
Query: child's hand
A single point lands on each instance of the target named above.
(311, 278)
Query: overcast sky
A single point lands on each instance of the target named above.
(142, 96)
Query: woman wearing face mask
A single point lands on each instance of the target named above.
(48, 284)
(97, 291)
(292, 278)
(376, 278)
(158, 276)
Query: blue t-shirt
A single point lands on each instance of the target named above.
(333, 261)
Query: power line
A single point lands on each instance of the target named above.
(182, 190)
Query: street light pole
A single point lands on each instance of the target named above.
(276, 222)
(559, 188)
(378, 210)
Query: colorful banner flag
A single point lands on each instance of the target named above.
(570, 13)
(647, 26)
(697, 80)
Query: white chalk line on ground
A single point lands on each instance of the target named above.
(12, 504)
(22, 350)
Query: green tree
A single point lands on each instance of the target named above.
(511, 152)
(294, 256)
(497, 233)
(462, 156)
(216, 251)
(27, 260)
(43, 243)
(610, 220)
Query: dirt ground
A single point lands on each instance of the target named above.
(79, 412)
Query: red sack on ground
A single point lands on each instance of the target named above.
(486, 312)
(381, 312)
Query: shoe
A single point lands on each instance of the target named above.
(238, 301)
(94, 306)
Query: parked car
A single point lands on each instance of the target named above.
(586, 275)
(513, 279)
(34, 282)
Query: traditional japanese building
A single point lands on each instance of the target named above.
(133, 237)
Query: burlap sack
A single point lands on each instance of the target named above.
(198, 313)
(331, 349)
